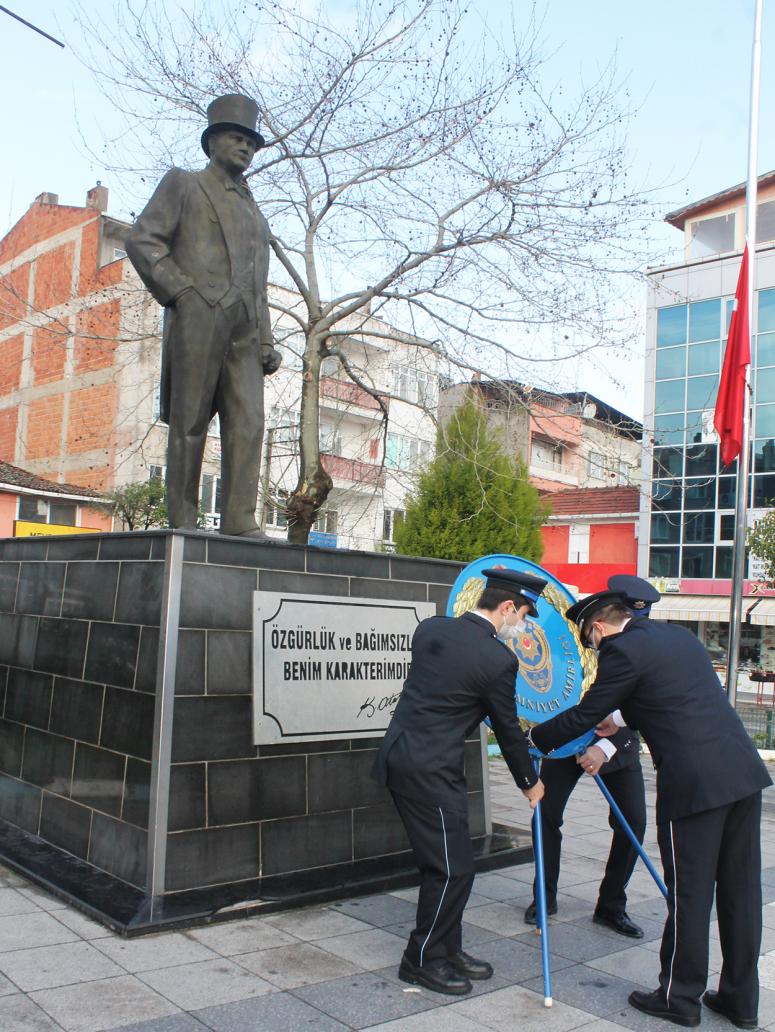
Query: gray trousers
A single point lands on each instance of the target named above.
(214, 366)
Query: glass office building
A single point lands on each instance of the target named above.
(691, 508)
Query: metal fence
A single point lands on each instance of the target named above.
(759, 722)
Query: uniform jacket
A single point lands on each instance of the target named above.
(188, 236)
(661, 678)
(460, 674)
(627, 752)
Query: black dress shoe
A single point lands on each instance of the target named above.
(713, 1000)
(437, 975)
(530, 913)
(619, 923)
(470, 967)
(655, 1005)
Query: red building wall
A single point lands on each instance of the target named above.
(613, 543)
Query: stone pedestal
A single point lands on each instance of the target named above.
(129, 781)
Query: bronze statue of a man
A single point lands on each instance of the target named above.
(201, 246)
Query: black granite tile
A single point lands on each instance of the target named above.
(137, 792)
(127, 723)
(61, 647)
(40, 588)
(229, 661)
(159, 546)
(439, 593)
(11, 747)
(140, 589)
(9, 578)
(302, 748)
(76, 709)
(20, 803)
(212, 856)
(84, 546)
(18, 637)
(212, 728)
(33, 549)
(347, 564)
(119, 849)
(90, 590)
(252, 790)
(48, 761)
(3, 683)
(302, 583)
(147, 660)
(217, 596)
(112, 654)
(473, 765)
(188, 796)
(435, 571)
(476, 816)
(65, 824)
(98, 778)
(190, 667)
(195, 549)
(340, 781)
(377, 830)
(28, 697)
(304, 842)
(125, 546)
(408, 591)
(254, 554)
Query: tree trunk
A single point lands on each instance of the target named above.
(314, 484)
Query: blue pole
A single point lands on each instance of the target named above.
(541, 915)
(631, 835)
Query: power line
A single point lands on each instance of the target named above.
(31, 26)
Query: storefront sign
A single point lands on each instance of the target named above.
(27, 528)
(327, 668)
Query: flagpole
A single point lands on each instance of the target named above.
(744, 459)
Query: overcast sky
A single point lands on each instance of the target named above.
(687, 65)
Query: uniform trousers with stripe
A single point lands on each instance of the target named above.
(716, 850)
(442, 849)
(560, 777)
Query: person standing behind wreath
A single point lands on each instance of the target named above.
(460, 673)
(658, 678)
(617, 760)
(201, 247)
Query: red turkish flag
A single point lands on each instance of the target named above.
(728, 417)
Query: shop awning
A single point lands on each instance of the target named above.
(761, 611)
(710, 608)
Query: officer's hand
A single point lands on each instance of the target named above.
(607, 727)
(535, 794)
(592, 760)
(271, 359)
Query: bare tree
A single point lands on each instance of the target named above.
(417, 167)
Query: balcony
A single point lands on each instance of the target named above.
(349, 395)
(353, 470)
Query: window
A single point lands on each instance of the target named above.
(284, 427)
(274, 509)
(157, 401)
(406, 453)
(597, 467)
(326, 521)
(210, 494)
(671, 326)
(765, 221)
(546, 454)
(41, 510)
(63, 513)
(390, 520)
(330, 440)
(712, 236)
(330, 366)
(214, 429)
(33, 510)
(156, 472)
(623, 476)
(414, 385)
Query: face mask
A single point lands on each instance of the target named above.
(512, 630)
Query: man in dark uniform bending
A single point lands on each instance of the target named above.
(617, 760)
(460, 674)
(659, 679)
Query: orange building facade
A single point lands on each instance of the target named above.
(73, 322)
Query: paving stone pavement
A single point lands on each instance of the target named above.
(332, 968)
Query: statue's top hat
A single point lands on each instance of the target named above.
(233, 111)
(522, 587)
